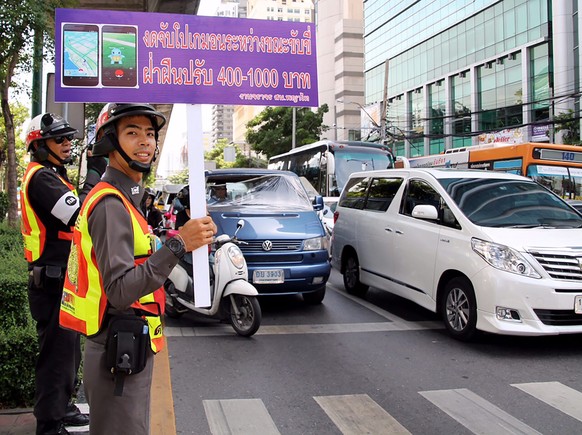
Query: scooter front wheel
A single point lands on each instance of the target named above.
(244, 314)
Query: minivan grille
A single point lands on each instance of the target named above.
(559, 317)
(564, 265)
(277, 246)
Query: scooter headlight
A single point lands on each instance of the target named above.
(236, 256)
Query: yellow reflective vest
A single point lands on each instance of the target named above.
(84, 303)
(33, 230)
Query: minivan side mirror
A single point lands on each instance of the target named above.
(318, 203)
(425, 211)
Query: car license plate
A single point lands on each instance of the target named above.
(578, 304)
(270, 276)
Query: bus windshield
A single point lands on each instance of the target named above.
(355, 159)
(564, 181)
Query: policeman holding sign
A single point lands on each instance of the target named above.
(114, 292)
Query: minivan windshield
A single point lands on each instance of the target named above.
(276, 192)
(500, 202)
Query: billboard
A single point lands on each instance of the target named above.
(104, 56)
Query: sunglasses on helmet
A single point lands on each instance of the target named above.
(61, 139)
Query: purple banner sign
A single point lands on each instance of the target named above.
(113, 56)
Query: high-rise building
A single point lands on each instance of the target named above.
(221, 123)
(455, 73)
(276, 10)
(340, 66)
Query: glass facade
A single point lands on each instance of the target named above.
(467, 60)
(436, 117)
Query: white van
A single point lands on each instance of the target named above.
(488, 251)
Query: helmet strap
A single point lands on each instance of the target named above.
(43, 151)
(61, 161)
(135, 165)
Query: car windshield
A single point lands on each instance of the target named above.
(493, 202)
(275, 192)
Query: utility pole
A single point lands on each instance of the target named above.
(384, 105)
(36, 105)
(294, 128)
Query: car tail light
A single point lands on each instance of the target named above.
(335, 216)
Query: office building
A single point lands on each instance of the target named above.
(274, 10)
(455, 73)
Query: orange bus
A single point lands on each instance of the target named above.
(558, 167)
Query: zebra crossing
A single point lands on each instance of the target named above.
(359, 414)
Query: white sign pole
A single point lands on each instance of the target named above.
(197, 200)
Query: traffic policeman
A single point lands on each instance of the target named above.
(50, 205)
(116, 274)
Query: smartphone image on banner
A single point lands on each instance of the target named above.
(80, 55)
(119, 56)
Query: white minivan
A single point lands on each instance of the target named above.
(489, 251)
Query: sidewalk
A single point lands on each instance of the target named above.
(22, 422)
(17, 422)
(162, 419)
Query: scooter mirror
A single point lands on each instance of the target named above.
(239, 225)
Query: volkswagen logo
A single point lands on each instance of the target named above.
(267, 245)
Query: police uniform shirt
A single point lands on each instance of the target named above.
(57, 208)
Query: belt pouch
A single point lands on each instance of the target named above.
(53, 276)
(126, 347)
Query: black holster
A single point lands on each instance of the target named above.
(47, 276)
(126, 347)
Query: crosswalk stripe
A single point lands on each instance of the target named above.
(556, 394)
(475, 413)
(239, 417)
(358, 414)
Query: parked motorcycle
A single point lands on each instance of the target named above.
(232, 297)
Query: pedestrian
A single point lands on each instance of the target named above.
(115, 293)
(181, 207)
(153, 216)
(50, 206)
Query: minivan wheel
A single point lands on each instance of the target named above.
(351, 276)
(459, 309)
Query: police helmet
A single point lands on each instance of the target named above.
(46, 126)
(110, 113)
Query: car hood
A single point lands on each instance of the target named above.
(269, 225)
(524, 239)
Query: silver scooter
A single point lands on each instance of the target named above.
(232, 297)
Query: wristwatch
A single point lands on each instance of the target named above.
(176, 245)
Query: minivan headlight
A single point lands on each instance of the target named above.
(315, 244)
(503, 258)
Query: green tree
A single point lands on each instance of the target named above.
(20, 115)
(570, 125)
(216, 154)
(179, 178)
(271, 130)
(19, 21)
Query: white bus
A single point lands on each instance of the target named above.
(328, 164)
